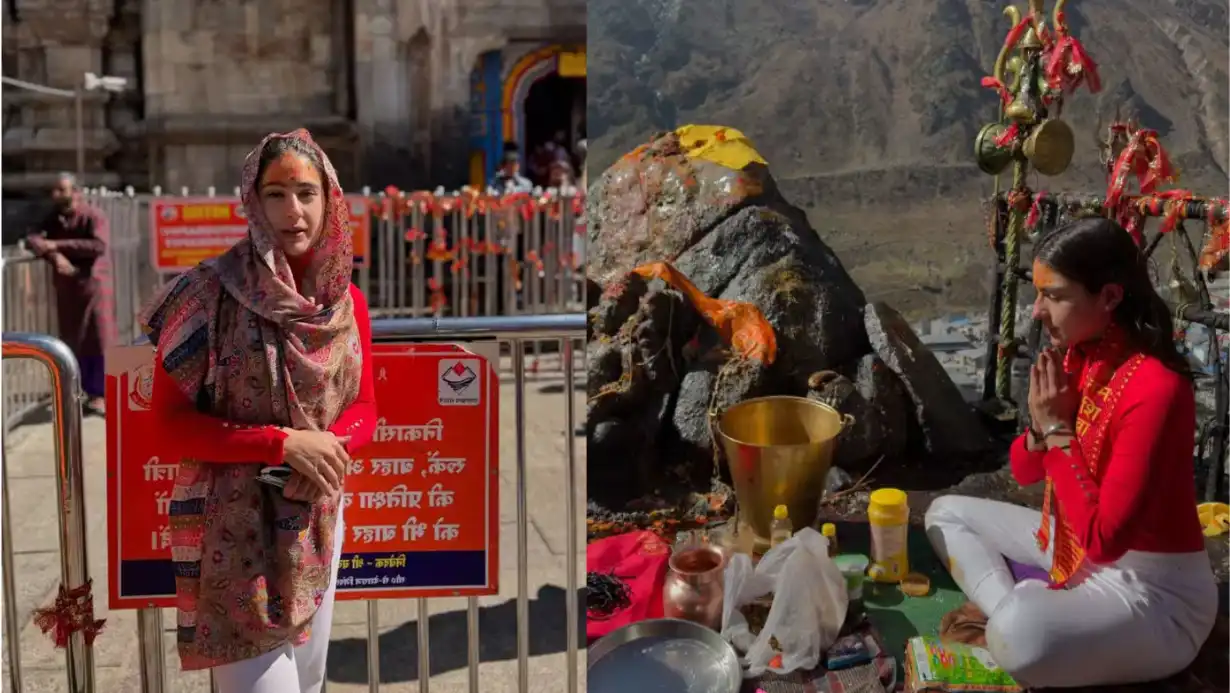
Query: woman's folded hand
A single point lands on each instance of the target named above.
(319, 456)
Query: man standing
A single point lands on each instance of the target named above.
(73, 240)
(508, 178)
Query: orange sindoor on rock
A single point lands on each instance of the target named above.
(741, 325)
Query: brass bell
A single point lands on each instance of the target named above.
(1020, 112)
(1015, 67)
(1030, 40)
(1049, 147)
(992, 159)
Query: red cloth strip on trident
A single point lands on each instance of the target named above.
(72, 612)
(1068, 65)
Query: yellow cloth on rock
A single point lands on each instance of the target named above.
(720, 145)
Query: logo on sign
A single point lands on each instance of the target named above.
(169, 213)
(459, 383)
(141, 387)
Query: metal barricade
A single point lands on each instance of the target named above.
(29, 306)
(70, 485)
(469, 254)
(456, 254)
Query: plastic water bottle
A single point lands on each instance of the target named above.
(780, 530)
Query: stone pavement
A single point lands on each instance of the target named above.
(28, 458)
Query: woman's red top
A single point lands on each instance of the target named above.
(184, 430)
(1144, 498)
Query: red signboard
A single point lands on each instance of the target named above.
(188, 230)
(420, 502)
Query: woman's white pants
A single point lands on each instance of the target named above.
(1141, 618)
(289, 669)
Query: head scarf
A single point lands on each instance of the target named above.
(246, 344)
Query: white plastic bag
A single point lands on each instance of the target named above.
(809, 603)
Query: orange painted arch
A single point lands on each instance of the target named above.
(525, 72)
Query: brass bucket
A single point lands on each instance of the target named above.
(779, 450)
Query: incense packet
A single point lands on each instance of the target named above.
(942, 667)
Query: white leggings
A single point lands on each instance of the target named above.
(289, 669)
(1141, 618)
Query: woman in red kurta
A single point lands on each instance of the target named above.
(263, 387)
(1131, 595)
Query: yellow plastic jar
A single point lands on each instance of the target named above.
(888, 512)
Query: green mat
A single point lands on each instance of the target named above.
(896, 616)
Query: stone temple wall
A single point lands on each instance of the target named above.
(384, 84)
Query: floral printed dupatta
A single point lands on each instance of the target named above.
(248, 347)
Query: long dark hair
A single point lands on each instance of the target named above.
(1096, 251)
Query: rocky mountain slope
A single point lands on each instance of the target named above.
(867, 109)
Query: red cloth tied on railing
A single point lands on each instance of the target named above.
(1144, 158)
(1035, 211)
(1174, 205)
(438, 250)
(72, 612)
(532, 257)
(437, 300)
(470, 202)
(1217, 248)
(1068, 65)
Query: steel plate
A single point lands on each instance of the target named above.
(663, 655)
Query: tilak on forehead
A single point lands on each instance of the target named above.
(290, 168)
(1044, 276)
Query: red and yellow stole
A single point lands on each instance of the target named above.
(1102, 385)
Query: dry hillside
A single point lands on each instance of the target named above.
(867, 110)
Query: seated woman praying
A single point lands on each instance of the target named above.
(1131, 596)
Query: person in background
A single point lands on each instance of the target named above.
(73, 239)
(561, 176)
(263, 389)
(562, 149)
(1131, 596)
(508, 178)
(582, 155)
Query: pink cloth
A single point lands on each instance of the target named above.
(639, 559)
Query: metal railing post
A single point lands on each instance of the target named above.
(570, 483)
(12, 631)
(70, 482)
(149, 644)
(523, 522)
(373, 646)
(516, 330)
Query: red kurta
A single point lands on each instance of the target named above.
(1144, 497)
(185, 431)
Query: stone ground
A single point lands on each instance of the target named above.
(28, 454)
